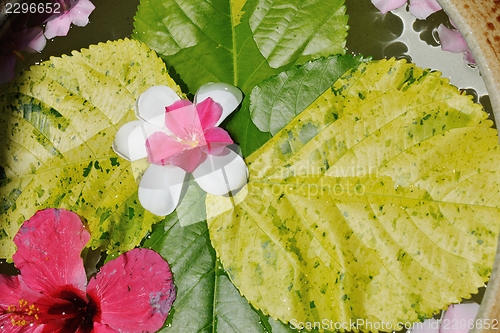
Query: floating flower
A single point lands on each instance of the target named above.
(452, 41)
(132, 293)
(78, 15)
(180, 137)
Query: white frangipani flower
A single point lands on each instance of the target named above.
(180, 137)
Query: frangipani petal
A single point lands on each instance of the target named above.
(44, 267)
(130, 141)
(226, 95)
(160, 188)
(421, 9)
(151, 104)
(130, 297)
(387, 5)
(459, 313)
(219, 175)
(451, 40)
(80, 12)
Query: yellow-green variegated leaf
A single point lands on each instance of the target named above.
(57, 125)
(379, 203)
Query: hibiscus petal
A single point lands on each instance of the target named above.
(226, 95)
(58, 26)
(80, 12)
(182, 120)
(459, 313)
(161, 147)
(151, 104)
(421, 9)
(428, 326)
(48, 251)
(219, 175)
(451, 40)
(160, 188)
(189, 159)
(134, 292)
(387, 5)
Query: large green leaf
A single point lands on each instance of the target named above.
(277, 100)
(58, 123)
(206, 300)
(379, 203)
(240, 42)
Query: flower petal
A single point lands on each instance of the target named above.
(469, 58)
(151, 104)
(182, 120)
(48, 251)
(387, 5)
(451, 40)
(421, 9)
(459, 313)
(226, 95)
(130, 141)
(209, 113)
(219, 175)
(58, 26)
(80, 12)
(34, 40)
(216, 138)
(134, 292)
(161, 147)
(189, 159)
(160, 188)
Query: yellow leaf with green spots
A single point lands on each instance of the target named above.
(57, 125)
(379, 203)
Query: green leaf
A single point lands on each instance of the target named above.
(206, 300)
(58, 123)
(277, 100)
(379, 203)
(240, 42)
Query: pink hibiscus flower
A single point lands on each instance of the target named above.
(132, 293)
(458, 318)
(180, 137)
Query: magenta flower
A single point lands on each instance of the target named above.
(132, 293)
(78, 15)
(180, 137)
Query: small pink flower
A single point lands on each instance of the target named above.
(132, 293)
(194, 135)
(78, 15)
(180, 137)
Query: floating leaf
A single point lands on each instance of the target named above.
(240, 42)
(58, 123)
(277, 100)
(379, 203)
(206, 300)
